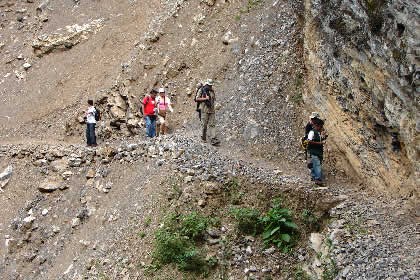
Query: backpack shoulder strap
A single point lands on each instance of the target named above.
(202, 92)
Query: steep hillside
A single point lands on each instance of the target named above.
(174, 207)
(71, 50)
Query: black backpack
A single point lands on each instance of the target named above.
(141, 107)
(97, 114)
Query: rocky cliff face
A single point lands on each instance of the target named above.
(362, 60)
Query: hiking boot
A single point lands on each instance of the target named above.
(215, 142)
(319, 183)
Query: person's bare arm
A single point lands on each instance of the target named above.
(203, 98)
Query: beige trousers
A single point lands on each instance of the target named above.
(209, 121)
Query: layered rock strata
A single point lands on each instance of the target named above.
(362, 60)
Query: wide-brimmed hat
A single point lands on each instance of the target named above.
(315, 115)
(209, 82)
(318, 122)
(161, 90)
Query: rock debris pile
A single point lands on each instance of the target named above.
(358, 240)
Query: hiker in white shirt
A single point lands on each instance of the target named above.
(164, 105)
(90, 124)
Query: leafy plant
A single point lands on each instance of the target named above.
(253, 3)
(248, 220)
(147, 221)
(142, 234)
(279, 229)
(330, 270)
(376, 19)
(191, 260)
(236, 197)
(297, 98)
(194, 225)
(232, 184)
(300, 274)
(175, 242)
(310, 220)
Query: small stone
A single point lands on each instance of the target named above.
(269, 251)
(26, 66)
(213, 233)
(188, 179)
(212, 241)
(248, 250)
(27, 222)
(51, 184)
(11, 245)
(84, 243)
(67, 174)
(75, 222)
(90, 174)
(56, 229)
(253, 269)
(5, 177)
(316, 240)
(202, 203)
(249, 238)
(44, 212)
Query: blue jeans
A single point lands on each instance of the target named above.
(150, 126)
(90, 134)
(316, 168)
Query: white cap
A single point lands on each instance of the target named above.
(161, 90)
(314, 115)
(209, 82)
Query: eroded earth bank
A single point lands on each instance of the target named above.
(175, 207)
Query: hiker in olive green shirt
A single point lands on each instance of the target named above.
(207, 101)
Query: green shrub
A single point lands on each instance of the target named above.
(191, 260)
(194, 225)
(311, 221)
(232, 184)
(170, 246)
(300, 274)
(175, 242)
(276, 226)
(236, 197)
(248, 220)
(297, 98)
(147, 221)
(279, 229)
